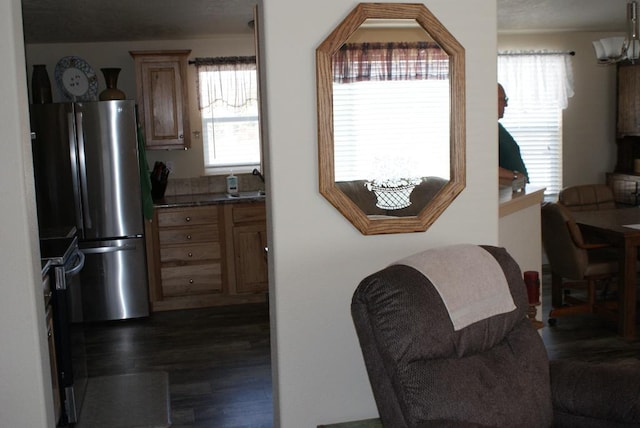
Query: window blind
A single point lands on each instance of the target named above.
(382, 129)
(228, 102)
(538, 85)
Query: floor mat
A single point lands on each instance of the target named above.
(136, 400)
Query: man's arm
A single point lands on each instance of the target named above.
(507, 174)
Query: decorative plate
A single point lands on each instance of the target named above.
(76, 79)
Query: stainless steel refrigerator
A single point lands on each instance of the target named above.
(87, 175)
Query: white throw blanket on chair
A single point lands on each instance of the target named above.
(469, 280)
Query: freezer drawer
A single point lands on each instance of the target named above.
(114, 280)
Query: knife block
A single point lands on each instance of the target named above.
(158, 187)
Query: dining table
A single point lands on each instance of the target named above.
(621, 228)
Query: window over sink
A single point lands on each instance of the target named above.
(229, 109)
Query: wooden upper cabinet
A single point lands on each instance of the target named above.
(628, 100)
(163, 98)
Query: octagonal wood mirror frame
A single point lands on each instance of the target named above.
(376, 224)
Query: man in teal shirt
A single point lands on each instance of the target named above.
(511, 165)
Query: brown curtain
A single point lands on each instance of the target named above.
(390, 61)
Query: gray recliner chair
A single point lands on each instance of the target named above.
(428, 370)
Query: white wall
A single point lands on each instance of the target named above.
(25, 389)
(589, 147)
(520, 233)
(318, 257)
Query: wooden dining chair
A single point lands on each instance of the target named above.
(587, 197)
(575, 264)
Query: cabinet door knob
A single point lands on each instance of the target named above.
(187, 219)
(191, 281)
(188, 236)
(190, 254)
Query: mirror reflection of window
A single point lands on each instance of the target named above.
(391, 116)
(391, 111)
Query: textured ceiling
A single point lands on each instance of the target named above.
(562, 15)
(58, 21)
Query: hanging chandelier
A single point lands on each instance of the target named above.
(615, 49)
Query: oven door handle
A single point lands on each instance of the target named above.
(78, 266)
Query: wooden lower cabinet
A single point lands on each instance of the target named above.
(247, 259)
(55, 386)
(51, 345)
(200, 256)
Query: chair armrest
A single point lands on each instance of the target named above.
(578, 241)
(600, 391)
(594, 246)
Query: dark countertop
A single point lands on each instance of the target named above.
(208, 199)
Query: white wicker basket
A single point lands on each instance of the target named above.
(393, 198)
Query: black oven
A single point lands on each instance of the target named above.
(66, 263)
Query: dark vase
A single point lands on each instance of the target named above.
(40, 85)
(111, 79)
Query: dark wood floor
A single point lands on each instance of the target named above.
(218, 359)
(583, 337)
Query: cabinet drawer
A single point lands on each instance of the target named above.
(190, 253)
(187, 216)
(188, 235)
(249, 213)
(191, 279)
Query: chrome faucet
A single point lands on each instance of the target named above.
(256, 172)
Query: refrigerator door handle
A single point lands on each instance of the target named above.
(83, 172)
(109, 249)
(74, 171)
